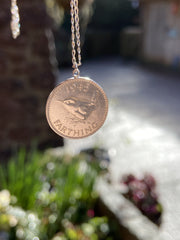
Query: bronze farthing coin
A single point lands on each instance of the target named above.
(76, 108)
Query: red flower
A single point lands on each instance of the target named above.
(90, 213)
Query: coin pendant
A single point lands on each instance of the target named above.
(76, 108)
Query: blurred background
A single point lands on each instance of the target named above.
(123, 182)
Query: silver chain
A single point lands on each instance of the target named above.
(75, 38)
(15, 25)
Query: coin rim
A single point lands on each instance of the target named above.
(74, 80)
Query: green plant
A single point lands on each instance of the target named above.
(68, 188)
(95, 229)
(59, 189)
(21, 176)
(17, 223)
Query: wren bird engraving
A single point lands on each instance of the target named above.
(79, 108)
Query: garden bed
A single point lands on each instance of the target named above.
(49, 197)
(43, 197)
(132, 224)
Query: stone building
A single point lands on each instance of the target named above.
(161, 31)
(27, 75)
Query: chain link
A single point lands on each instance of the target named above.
(15, 25)
(75, 38)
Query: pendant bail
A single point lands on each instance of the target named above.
(76, 72)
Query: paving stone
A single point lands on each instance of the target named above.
(141, 134)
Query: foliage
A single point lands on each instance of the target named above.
(18, 223)
(57, 8)
(55, 11)
(68, 187)
(66, 4)
(142, 193)
(21, 177)
(59, 190)
(96, 228)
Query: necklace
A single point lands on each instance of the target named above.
(77, 107)
(15, 25)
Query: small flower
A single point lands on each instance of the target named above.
(5, 199)
(13, 221)
(90, 213)
(128, 179)
(88, 229)
(150, 181)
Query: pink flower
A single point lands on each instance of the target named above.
(90, 213)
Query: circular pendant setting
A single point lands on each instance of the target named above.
(76, 108)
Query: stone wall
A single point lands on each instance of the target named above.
(27, 75)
